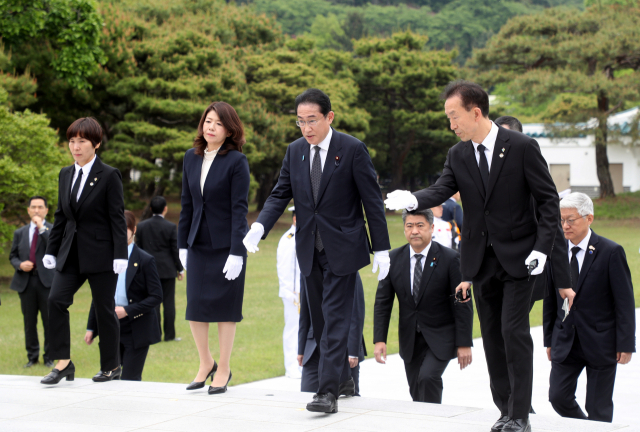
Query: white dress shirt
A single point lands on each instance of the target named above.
(324, 148)
(489, 142)
(583, 245)
(207, 160)
(86, 169)
(412, 260)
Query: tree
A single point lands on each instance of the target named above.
(591, 58)
(400, 84)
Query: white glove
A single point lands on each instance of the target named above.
(381, 259)
(120, 265)
(253, 237)
(401, 199)
(182, 253)
(232, 267)
(49, 261)
(542, 259)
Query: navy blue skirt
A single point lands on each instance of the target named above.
(210, 296)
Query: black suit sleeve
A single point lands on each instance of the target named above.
(239, 206)
(139, 237)
(59, 223)
(549, 313)
(92, 322)
(14, 256)
(186, 212)
(305, 317)
(154, 290)
(385, 295)
(445, 187)
(115, 197)
(279, 198)
(357, 320)
(173, 242)
(462, 312)
(622, 289)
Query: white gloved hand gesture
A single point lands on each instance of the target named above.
(542, 259)
(120, 265)
(381, 259)
(232, 267)
(49, 261)
(182, 253)
(401, 199)
(253, 237)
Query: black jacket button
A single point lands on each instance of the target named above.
(486, 212)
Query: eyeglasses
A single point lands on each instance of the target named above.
(570, 222)
(311, 123)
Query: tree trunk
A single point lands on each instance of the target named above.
(398, 156)
(602, 160)
(266, 181)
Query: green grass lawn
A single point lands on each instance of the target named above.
(257, 352)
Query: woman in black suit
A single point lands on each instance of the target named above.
(138, 293)
(215, 187)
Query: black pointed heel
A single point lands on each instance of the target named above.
(55, 376)
(195, 385)
(218, 390)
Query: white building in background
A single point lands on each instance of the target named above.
(572, 161)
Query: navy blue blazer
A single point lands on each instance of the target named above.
(223, 203)
(603, 313)
(20, 249)
(348, 183)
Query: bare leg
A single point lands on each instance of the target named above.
(226, 334)
(62, 364)
(200, 332)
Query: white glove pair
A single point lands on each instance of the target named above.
(401, 199)
(119, 265)
(232, 267)
(542, 259)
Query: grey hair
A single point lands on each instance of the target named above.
(578, 201)
(427, 213)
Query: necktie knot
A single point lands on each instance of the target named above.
(481, 148)
(418, 258)
(575, 250)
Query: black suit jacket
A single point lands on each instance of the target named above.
(603, 313)
(20, 249)
(348, 183)
(505, 212)
(98, 222)
(444, 324)
(144, 292)
(223, 203)
(159, 237)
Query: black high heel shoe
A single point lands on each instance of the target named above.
(55, 376)
(218, 390)
(195, 385)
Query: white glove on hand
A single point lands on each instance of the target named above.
(232, 267)
(120, 265)
(182, 253)
(381, 259)
(253, 237)
(49, 261)
(542, 259)
(401, 199)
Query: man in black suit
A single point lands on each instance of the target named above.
(159, 237)
(308, 342)
(331, 178)
(500, 175)
(433, 328)
(31, 279)
(599, 332)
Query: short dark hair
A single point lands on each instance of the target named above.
(231, 122)
(87, 128)
(130, 218)
(39, 197)
(472, 95)
(158, 203)
(427, 213)
(512, 122)
(316, 97)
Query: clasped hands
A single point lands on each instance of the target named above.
(232, 267)
(119, 265)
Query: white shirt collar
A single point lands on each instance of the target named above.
(424, 252)
(490, 141)
(86, 169)
(584, 244)
(324, 144)
(159, 214)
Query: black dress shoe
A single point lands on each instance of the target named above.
(195, 385)
(218, 390)
(517, 425)
(108, 376)
(48, 363)
(323, 403)
(347, 388)
(55, 376)
(32, 363)
(499, 425)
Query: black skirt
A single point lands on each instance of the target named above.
(210, 296)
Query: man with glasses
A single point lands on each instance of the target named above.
(599, 332)
(331, 177)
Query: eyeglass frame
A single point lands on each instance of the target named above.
(570, 222)
(303, 123)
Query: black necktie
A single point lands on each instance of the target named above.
(316, 176)
(575, 268)
(484, 167)
(417, 275)
(75, 189)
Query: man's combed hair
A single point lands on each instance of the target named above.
(427, 213)
(579, 201)
(512, 122)
(158, 203)
(39, 197)
(472, 95)
(314, 96)
(87, 128)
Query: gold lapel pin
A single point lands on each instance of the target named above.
(91, 184)
(135, 264)
(501, 155)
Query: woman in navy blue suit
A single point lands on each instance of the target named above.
(215, 187)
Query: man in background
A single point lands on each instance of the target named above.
(445, 233)
(159, 237)
(31, 279)
(452, 211)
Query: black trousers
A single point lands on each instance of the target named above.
(424, 373)
(33, 300)
(503, 305)
(310, 383)
(331, 304)
(564, 380)
(132, 359)
(169, 306)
